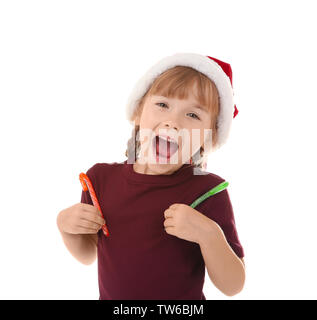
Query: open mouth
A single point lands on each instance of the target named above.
(164, 147)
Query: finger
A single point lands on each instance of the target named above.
(89, 224)
(90, 208)
(83, 230)
(93, 210)
(169, 223)
(168, 213)
(94, 217)
(173, 206)
(170, 230)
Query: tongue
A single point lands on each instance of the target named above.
(165, 148)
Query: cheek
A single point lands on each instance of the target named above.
(206, 136)
(194, 139)
(200, 134)
(147, 119)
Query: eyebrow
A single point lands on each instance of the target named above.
(200, 107)
(197, 106)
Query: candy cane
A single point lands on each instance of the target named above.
(87, 185)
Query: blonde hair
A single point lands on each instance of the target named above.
(176, 82)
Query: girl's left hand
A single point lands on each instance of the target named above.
(187, 223)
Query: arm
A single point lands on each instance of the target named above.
(82, 246)
(224, 267)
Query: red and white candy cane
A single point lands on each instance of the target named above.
(87, 185)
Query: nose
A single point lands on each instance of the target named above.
(171, 125)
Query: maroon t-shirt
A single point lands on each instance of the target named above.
(139, 260)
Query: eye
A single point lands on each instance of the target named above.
(161, 103)
(166, 106)
(196, 117)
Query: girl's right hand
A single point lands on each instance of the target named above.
(81, 218)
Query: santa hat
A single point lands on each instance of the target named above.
(218, 71)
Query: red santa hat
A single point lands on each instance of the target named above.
(218, 71)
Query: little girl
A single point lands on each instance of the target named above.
(158, 245)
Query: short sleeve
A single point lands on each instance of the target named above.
(219, 208)
(85, 196)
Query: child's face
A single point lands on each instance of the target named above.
(178, 119)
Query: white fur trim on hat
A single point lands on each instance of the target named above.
(203, 64)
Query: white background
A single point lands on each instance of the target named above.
(66, 70)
